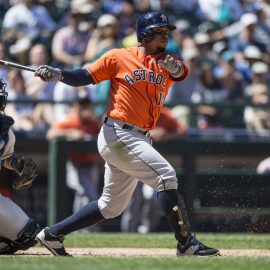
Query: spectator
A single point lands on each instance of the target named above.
(82, 169)
(251, 34)
(244, 62)
(265, 4)
(260, 75)
(64, 96)
(257, 118)
(231, 80)
(204, 45)
(167, 128)
(182, 31)
(263, 26)
(263, 167)
(104, 38)
(43, 114)
(3, 54)
(187, 10)
(25, 23)
(125, 13)
(210, 91)
(221, 12)
(20, 109)
(38, 55)
(70, 41)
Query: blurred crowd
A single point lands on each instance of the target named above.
(226, 45)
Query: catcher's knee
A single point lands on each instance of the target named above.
(27, 236)
(26, 239)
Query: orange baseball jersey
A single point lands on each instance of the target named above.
(139, 85)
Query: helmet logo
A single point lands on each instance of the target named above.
(163, 17)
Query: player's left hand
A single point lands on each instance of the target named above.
(48, 74)
(27, 170)
(171, 65)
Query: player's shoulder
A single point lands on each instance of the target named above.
(120, 51)
(117, 54)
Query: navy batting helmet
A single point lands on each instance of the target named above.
(3, 95)
(150, 20)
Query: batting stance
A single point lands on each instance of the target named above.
(17, 230)
(140, 78)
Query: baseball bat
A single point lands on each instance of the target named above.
(11, 64)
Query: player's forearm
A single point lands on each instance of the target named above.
(76, 77)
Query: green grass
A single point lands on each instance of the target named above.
(166, 240)
(145, 263)
(161, 240)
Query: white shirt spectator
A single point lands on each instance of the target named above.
(213, 10)
(31, 21)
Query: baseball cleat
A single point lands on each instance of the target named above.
(194, 247)
(52, 242)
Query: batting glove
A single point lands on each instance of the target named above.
(171, 65)
(48, 74)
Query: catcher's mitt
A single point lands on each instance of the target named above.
(27, 170)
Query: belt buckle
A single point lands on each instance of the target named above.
(145, 133)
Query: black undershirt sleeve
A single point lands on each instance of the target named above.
(77, 77)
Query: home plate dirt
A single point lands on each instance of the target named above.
(138, 252)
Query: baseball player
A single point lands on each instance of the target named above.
(140, 78)
(17, 230)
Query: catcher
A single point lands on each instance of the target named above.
(17, 230)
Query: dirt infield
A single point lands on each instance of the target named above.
(139, 252)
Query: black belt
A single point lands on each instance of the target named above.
(129, 127)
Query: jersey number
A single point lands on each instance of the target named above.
(161, 98)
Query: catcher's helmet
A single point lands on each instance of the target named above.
(3, 95)
(150, 20)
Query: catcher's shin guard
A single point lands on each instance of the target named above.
(27, 236)
(26, 239)
(7, 247)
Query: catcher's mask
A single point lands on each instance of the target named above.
(3, 95)
(148, 21)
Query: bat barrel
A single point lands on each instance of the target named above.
(15, 65)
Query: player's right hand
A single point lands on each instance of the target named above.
(48, 74)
